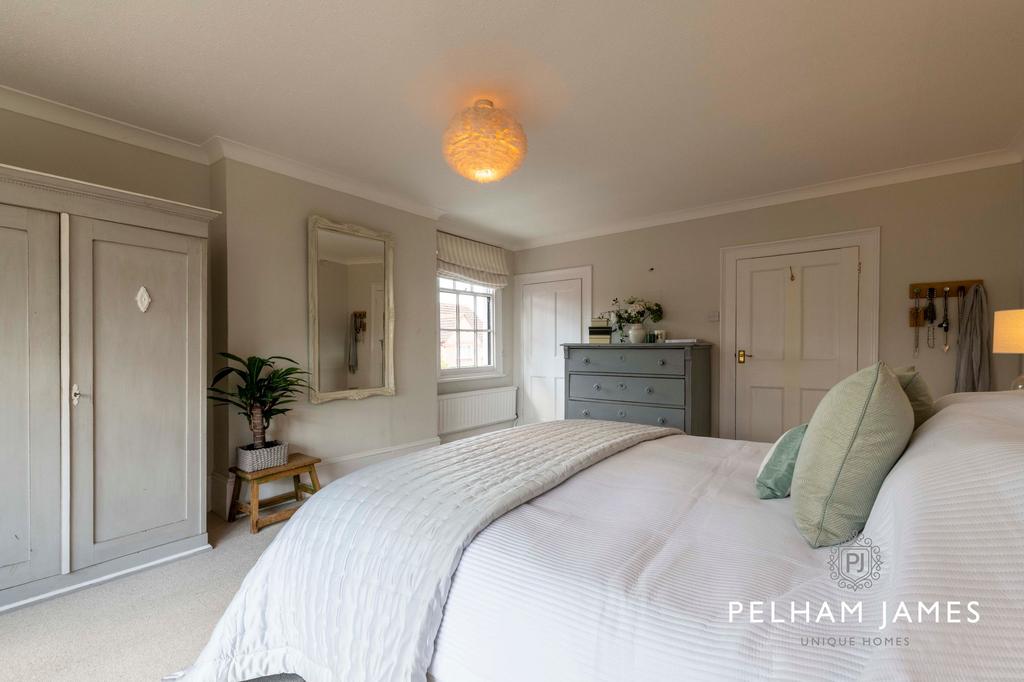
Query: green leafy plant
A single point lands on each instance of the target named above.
(261, 392)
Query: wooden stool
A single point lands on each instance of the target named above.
(298, 464)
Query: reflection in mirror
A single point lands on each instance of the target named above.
(350, 313)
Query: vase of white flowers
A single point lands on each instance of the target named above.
(630, 315)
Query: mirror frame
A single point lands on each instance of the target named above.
(316, 396)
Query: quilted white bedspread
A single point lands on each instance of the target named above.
(353, 588)
(627, 570)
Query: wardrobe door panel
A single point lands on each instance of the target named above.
(137, 357)
(30, 506)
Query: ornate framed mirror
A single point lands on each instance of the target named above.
(351, 311)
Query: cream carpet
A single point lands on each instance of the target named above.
(139, 627)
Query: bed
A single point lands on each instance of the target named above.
(649, 563)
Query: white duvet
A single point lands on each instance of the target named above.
(353, 588)
(627, 570)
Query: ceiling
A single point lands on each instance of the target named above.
(636, 112)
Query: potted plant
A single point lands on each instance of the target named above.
(261, 393)
(631, 313)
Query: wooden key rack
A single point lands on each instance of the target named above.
(916, 317)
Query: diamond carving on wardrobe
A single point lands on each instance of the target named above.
(143, 299)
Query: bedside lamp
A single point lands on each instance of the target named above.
(1008, 337)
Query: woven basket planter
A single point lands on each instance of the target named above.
(274, 455)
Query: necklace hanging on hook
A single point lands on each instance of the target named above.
(930, 316)
(916, 322)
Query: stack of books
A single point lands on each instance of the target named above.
(600, 331)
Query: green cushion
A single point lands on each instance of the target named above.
(775, 476)
(857, 433)
(917, 393)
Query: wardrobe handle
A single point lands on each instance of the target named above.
(75, 395)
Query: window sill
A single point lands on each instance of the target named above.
(473, 376)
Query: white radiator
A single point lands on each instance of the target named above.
(474, 409)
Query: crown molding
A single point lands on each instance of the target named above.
(87, 190)
(218, 148)
(110, 128)
(1002, 157)
(207, 153)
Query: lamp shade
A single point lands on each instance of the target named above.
(1008, 332)
(484, 144)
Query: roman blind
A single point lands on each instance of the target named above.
(472, 261)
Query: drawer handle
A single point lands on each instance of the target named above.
(622, 413)
(661, 362)
(586, 361)
(585, 413)
(649, 390)
(622, 387)
(597, 387)
(661, 421)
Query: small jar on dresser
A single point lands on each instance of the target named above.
(662, 384)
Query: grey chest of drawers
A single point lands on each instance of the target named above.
(662, 384)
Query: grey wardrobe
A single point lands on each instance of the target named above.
(103, 363)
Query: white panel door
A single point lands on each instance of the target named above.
(797, 328)
(550, 315)
(137, 429)
(30, 506)
(377, 325)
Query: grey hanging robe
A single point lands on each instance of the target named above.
(973, 364)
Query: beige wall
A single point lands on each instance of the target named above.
(958, 226)
(266, 310)
(43, 146)
(267, 227)
(963, 225)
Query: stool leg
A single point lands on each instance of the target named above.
(235, 492)
(296, 482)
(313, 478)
(254, 506)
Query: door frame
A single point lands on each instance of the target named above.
(582, 272)
(868, 240)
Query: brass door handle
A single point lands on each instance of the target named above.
(741, 357)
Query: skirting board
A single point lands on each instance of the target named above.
(221, 483)
(47, 588)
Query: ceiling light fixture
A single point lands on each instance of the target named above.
(484, 144)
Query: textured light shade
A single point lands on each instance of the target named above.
(484, 144)
(1008, 332)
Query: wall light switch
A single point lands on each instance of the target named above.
(713, 316)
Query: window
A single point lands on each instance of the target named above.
(468, 343)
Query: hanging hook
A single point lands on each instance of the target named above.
(792, 277)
